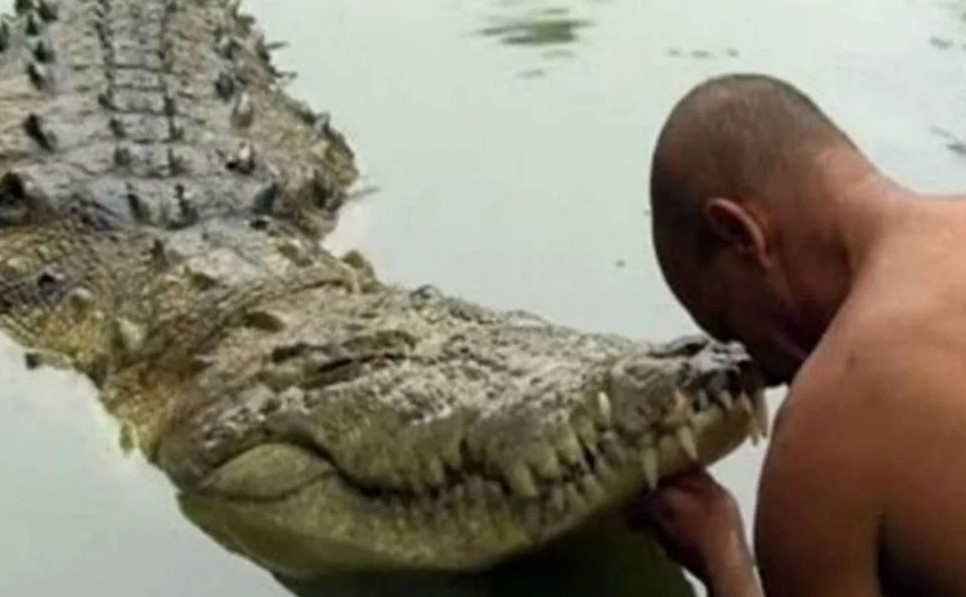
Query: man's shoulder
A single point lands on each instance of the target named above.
(880, 348)
(868, 375)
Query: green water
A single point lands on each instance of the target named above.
(508, 141)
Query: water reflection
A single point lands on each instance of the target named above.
(554, 30)
(546, 27)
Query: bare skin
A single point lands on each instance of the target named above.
(856, 297)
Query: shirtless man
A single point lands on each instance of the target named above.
(772, 228)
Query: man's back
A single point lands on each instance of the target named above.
(773, 228)
(862, 480)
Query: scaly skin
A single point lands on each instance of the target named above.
(163, 203)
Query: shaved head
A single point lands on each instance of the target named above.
(740, 204)
(732, 136)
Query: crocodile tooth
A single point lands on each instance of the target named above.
(80, 301)
(613, 448)
(702, 400)
(727, 400)
(576, 501)
(744, 401)
(569, 446)
(435, 474)
(243, 113)
(754, 427)
(592, 488)
(685, 437)
(604, 410)
(128, 336)
(650, 461)
(586, 431)
(520, 480)
(475, 444)
(545, 462)
(606, 472)
(49, 10)
(452, 455)
(761, 411)
(39, 75)
(557, 501)
(753, 431)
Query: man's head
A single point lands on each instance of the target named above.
(733, 191)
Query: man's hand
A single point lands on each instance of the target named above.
(699, 525)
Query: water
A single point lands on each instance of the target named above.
(509, 142)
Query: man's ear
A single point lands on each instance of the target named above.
(735, 225)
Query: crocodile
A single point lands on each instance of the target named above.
(164, 205)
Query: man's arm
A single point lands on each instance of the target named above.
(818, 513)
(820, 499)
(700, 527)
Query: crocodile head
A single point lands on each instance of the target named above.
(402, 451)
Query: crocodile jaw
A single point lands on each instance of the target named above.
(323, 524)
(301, 504)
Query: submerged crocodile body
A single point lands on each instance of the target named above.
(163, 203)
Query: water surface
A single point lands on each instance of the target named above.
(510, 143)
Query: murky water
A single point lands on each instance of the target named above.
(509, 141)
